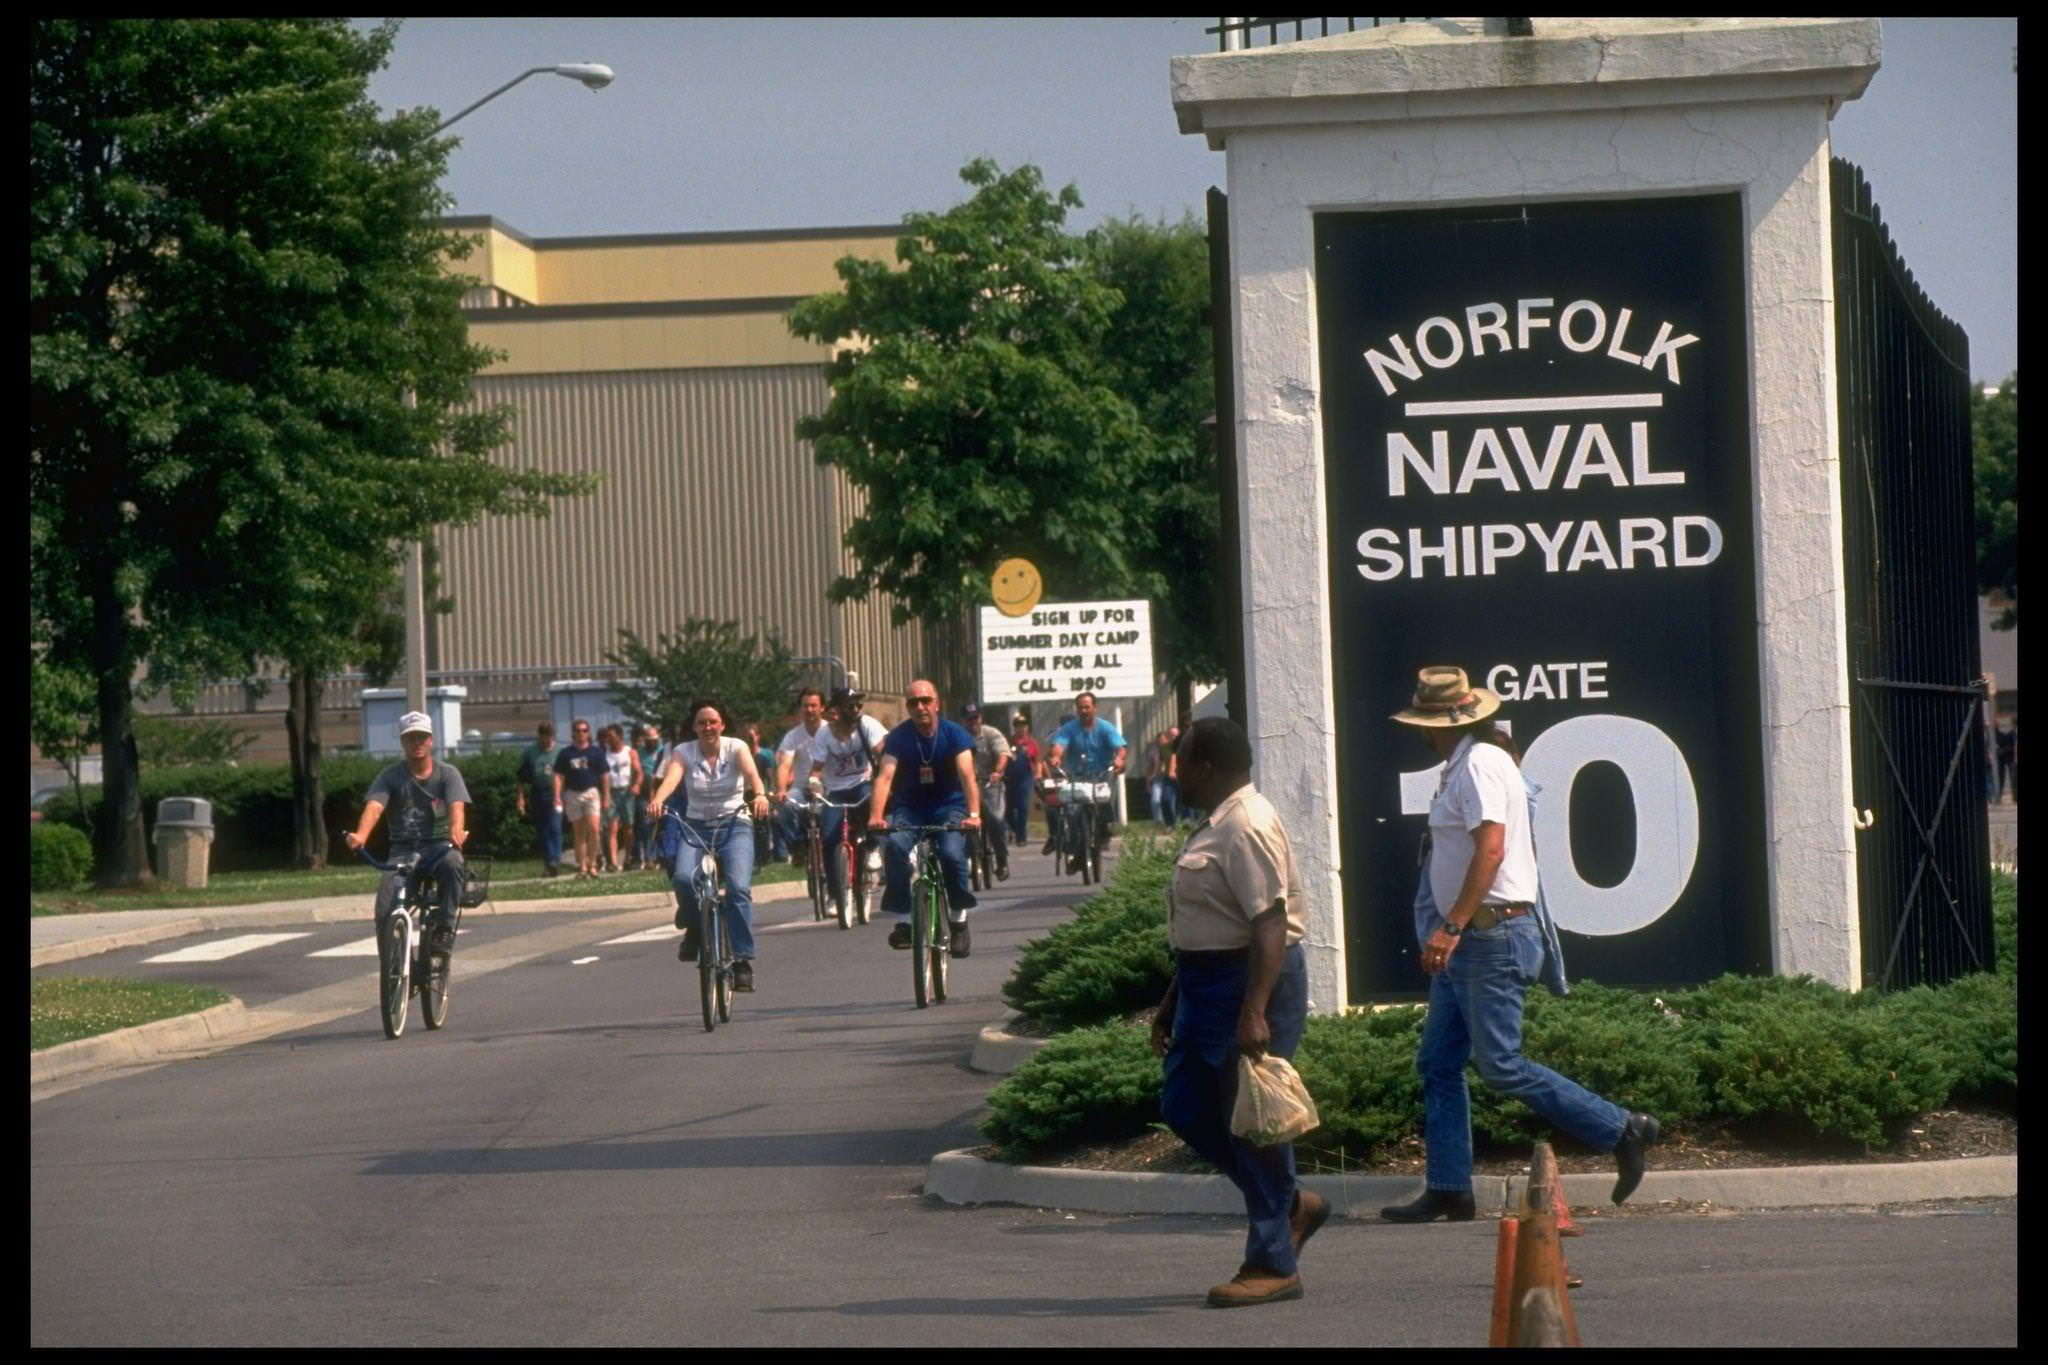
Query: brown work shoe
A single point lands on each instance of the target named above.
(1255, 1284)
(1310, 1212)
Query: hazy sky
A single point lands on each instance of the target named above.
(812, 123)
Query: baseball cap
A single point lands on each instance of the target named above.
(971, 709)
(413, 721)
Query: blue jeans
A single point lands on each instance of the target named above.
(1200, 1086)
(1018, 811)
(1165, 801)
(1475, 1011)
(547, 827)
(952, 868)
(829, 821)
(734, 848)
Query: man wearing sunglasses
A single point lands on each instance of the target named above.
(927, 778)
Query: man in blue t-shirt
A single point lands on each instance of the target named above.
(1098, 750)
(927, 778)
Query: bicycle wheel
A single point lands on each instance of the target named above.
(1085, 842)
(814, 875)
(846, 907)
(920, 944)
(394, 952)
(724, 963)
(707, 960)
(942, 943)
(434, 990)
(1095, 854)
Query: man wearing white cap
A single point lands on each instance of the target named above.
(429, 807)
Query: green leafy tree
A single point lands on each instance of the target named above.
(1155, 352)
(1995, 433)
(750, 675)
(249, 373)
(970, 406)
(166, 743)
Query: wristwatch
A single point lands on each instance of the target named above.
(1453, 929)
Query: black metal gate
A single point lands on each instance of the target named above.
(1916, 690)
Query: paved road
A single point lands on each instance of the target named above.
(575, 1162)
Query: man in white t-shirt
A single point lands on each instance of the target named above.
(1485, 939)
(793, 764)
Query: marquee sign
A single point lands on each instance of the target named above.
(1058, 650)
(1536, 430)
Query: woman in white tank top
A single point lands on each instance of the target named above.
(719, 776)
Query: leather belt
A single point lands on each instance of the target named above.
(1487, 916)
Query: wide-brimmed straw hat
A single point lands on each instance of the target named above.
(1444, 698)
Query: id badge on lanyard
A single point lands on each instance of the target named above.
(925, 774)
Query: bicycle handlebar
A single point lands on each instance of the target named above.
(445, 845)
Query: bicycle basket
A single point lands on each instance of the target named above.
(476, 884)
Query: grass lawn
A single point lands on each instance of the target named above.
(62, 1009)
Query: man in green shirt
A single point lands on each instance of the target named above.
(537, 795)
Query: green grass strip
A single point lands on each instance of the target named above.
(63, 1009)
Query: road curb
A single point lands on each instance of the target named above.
(325, 911)
(959, 1177)
(998, 1052)
(142, 1043)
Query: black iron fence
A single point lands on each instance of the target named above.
(1248, 32)
(1909, 547)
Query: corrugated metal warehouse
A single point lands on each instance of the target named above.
(662, 363)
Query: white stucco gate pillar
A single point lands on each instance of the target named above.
(1440, 115)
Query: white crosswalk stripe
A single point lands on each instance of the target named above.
(654, 935)
(362, 947)
(224, 948)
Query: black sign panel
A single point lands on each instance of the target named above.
(1536, 442)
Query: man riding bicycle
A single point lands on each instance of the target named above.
(843, 758)
(429, 803)
(927, 778)
(991, 762)
(1098, 747)
(793, 766)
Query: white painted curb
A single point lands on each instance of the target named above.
(143, 1043)
(998, 1052)
(959, 1177)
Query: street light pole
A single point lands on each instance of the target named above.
(594, 76)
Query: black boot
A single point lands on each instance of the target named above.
(1640, 1132)
(1448, 1205)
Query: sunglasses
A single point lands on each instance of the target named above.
(924, 701)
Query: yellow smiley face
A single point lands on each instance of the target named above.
(1016, 586)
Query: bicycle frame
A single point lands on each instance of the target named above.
(931, 928)
(848, 847)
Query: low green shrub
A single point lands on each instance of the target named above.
(2005, 921)
(252, 806)
(1096, 1084)
(1790, 1054)
(59, 857)
(1111, 958)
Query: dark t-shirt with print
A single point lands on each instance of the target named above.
(581, 768)
(416, 809)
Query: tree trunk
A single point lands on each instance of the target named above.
(121, 853)
(309, 786)
(952, 657)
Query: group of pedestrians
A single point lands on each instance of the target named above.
(597, 789)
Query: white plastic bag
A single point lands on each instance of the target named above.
(1273, 1106)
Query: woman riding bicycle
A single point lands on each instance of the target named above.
(843, 757)
(715, 768)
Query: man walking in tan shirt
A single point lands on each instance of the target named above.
(1240, 988)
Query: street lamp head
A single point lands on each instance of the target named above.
(593, 74)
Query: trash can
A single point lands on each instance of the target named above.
(184, 840)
